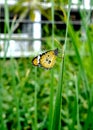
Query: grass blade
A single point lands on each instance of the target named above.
(36, 86)
(74, 41)
(52, 78)
(57, 111)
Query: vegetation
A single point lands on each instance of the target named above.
(33, 98)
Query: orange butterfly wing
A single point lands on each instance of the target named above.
(35, 61)
(47, 60)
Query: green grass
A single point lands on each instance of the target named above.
(57, 111)
(57, 99)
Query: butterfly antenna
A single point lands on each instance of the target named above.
(58, 42)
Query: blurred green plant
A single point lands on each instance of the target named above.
(25, 90)
(24, 8)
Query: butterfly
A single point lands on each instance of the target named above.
(46, 59)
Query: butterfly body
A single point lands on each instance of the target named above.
(46, 60)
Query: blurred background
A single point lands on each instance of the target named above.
(28, 28)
